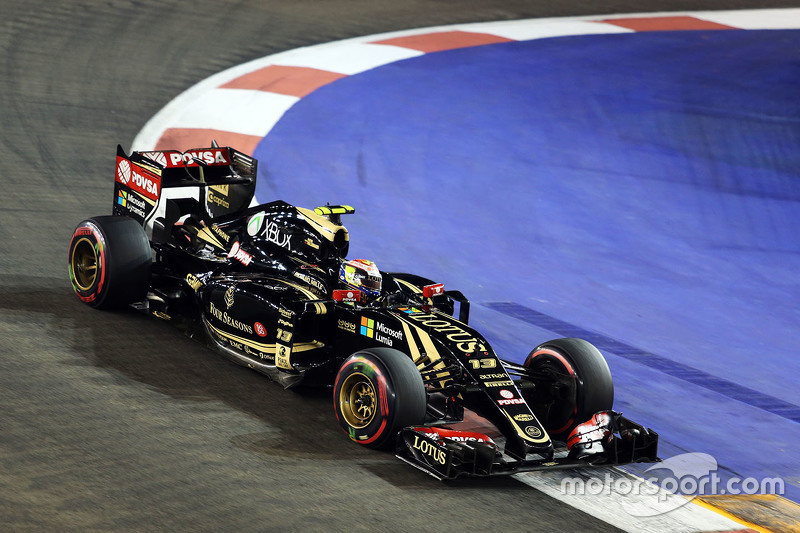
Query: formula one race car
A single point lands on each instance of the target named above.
(272, 289)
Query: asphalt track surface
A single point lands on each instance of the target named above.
(113, 421)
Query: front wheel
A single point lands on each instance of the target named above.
(593, 390)
(377, 392)
(109, 261)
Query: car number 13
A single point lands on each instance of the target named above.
(483, 363)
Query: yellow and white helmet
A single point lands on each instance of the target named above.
(362, 275)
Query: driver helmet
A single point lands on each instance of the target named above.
(362, 275)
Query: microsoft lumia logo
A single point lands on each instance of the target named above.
(367, 327)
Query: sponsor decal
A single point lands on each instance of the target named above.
(523, 417)
(410, 310)
(503, 383)
(219, 232)
(144, 184)
(346, 326)
(215, 156)
(260, 330)
(314, 282)
(124, 171)
(509, 398)
(283, 322)
(512, 401)
(383, 328)
(255, 222)
(367, 327)
(274, 235)
(282, 357)
(468, 438)
(132, 202)
(426, 447)
(286, 313)
(228, 320)
(379, 331)
(217, 196)
(533, 431)
(257, 225)
(456, 435)
(465, 341)
(309, 242)
(229, 296)
(193, 282)
(157, 157)
(240, 255)
(491, 376)
(347, 296)
(162, 316)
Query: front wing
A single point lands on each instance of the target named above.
(450, 458)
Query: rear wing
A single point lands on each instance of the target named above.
(153, 186)
(212, 166)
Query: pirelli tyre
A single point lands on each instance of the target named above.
(593, 391)
(377, 392)
(109, 261)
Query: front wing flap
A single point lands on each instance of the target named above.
(450, 457)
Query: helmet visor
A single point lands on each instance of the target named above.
(371, 283)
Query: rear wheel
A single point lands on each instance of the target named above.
(377, 392)
(593, 387)
(109, 261)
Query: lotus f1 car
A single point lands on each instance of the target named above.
(271, 288)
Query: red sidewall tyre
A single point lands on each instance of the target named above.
(109, 261)
(377, 392)
(594, 387)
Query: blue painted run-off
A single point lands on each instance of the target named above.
(643, 186)
(605, 344)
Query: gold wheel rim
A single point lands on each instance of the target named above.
(358, 401)
(84, 264)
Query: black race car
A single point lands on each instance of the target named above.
(270, 286)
